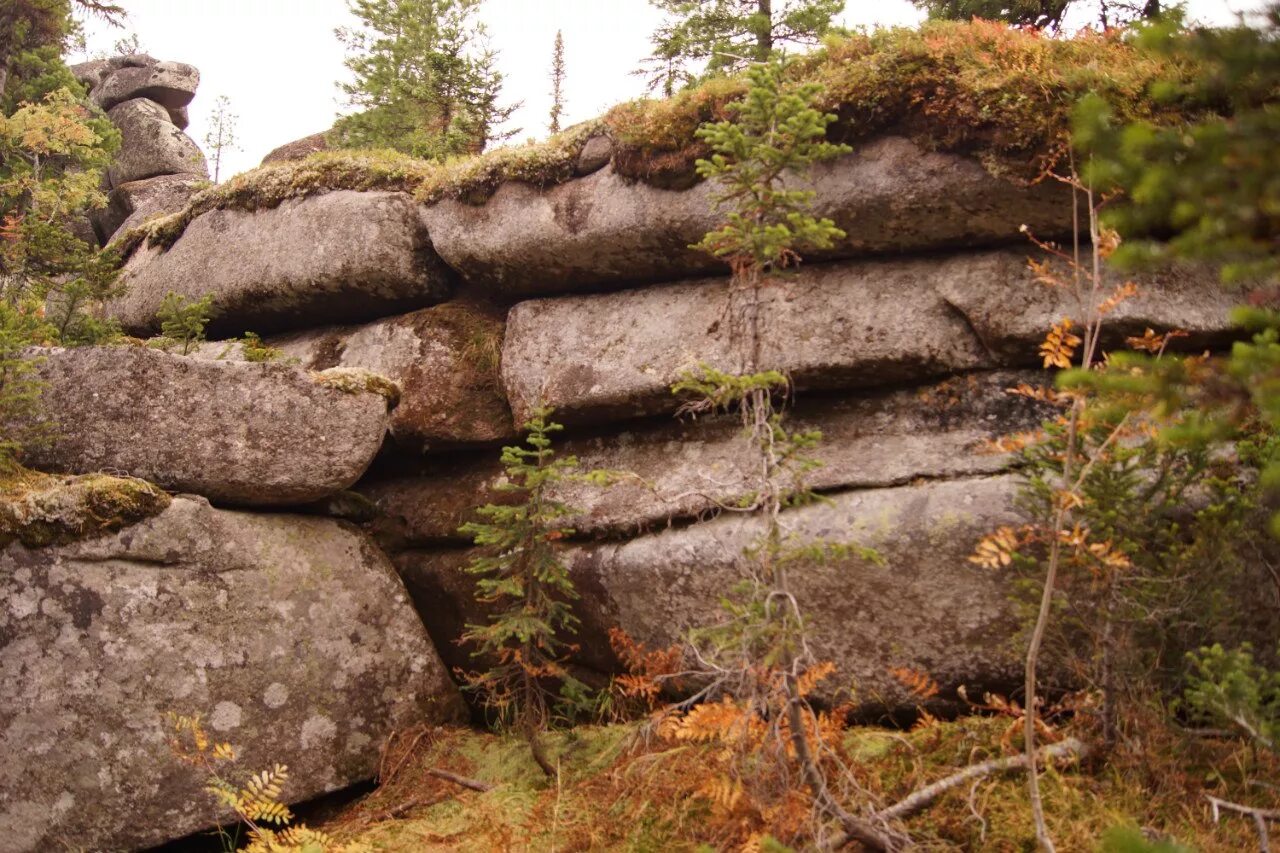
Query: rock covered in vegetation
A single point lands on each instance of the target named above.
(339, 257)
(917, 602)
(445, 360)
(40, 509)
(290, 635)
(151, 144)
(602, 230)
(131, 204)
(299, 148)
(237, 433)
(672, 471)
(844, 325)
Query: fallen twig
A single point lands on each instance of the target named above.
(473, 784)
(922, 798)
(1260, 818)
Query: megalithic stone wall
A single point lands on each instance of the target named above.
(413, 338)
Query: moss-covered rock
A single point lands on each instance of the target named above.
(355, 380)
(39, 509)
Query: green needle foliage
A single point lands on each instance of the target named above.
(521, 576)
(183, 321)
(725, 36)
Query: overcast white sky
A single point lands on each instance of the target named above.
(278, 60)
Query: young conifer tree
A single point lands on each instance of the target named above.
(557, 83)
(759, 654)
(528, 587)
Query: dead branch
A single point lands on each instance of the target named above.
(464, 781)
(920, 799)
(1260, 818)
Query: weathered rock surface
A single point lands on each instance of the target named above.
(40, 509)
(151, 144)
(445, 360)
(246, 434)
(169, 84)
(132, 204)
(925, 606)
(343, 256)
(299, 148)
(601, 231)
(845, 325)
(290, 635)
(676, 470)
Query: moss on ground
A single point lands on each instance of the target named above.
(1002, 95)
(39, 509)
(617, 791)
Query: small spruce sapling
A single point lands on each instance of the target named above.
(520, 575)
(183, 321)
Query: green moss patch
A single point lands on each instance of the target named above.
(355, 380)
(40, 509)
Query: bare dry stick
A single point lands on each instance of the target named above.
(1260, 818)
(920, 799)
(473, 784)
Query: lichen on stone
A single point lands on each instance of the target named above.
(39, 509)
(356, 380)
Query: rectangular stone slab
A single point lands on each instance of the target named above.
(672, 471)
(603, 231)
(343, 256)
(923, 605)
(851, 324)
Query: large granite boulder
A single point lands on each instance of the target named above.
(922, 604)
(299, 148)
(151, 144)
(134, 203)
(674, 471)
(445, 360)
(169, 84)
(290, 635)
(852, 324)
(602, 231)
(342, 256)
(237, 433)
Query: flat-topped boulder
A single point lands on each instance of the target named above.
(291, 636)
(602, 231)
(921, 604)
(445, 360)
(169, 84)
(852, 324)
(343, 257)
(237, 433)
(671, 471)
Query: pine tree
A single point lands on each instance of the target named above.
(425, 83)
(222, 133)
(557, 83)
(721, 36)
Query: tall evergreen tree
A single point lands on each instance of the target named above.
(557, 83)
(728, 35)
(221, 137)
(425, 81)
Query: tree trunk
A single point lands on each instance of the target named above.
(764, 36)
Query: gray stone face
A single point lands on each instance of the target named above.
(237, 433)
(151, 145)
(169, 84)
(343, 256)
(291, 636)
(924, 606)
(445, 360)
(679, 470)
(845, 325)
(594, 156)
(601, 231)
(132, 204)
